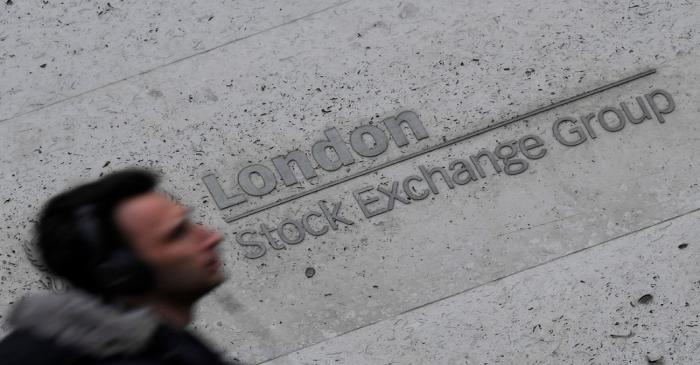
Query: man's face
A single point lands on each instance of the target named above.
(181, 253)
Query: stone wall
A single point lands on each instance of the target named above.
(576, 244)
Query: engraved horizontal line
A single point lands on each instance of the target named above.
(488, 282)
(443, 144)
(175, 61)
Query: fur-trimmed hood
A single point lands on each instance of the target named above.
(79, 320)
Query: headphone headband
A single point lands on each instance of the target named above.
(116, 270)
(89, 229)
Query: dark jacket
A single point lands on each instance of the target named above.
(78, 329)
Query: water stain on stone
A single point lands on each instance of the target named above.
(227, 302)
(209, 95)
(408, 11)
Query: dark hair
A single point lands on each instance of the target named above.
(66, 249)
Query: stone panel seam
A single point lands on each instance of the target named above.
(222, 45)
(492, 281)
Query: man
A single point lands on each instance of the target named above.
(137, 264)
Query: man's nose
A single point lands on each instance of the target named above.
(212, 237)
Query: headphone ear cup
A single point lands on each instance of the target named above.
(124, 273)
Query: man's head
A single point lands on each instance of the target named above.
(118, 230)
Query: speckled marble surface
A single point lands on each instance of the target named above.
(626, 301)
(52, 51)
(255, 82)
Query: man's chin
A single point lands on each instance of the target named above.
(215, 282)
(220, 279)
(197, 292)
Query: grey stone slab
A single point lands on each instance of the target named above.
(425, 251)
(460, 70)
(629, 300)
(50, 51)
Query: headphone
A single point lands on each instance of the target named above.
(116, 270)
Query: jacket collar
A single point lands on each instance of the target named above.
(84, 322)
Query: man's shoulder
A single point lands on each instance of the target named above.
(71, 325)
(23, 347)
(75, 328)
